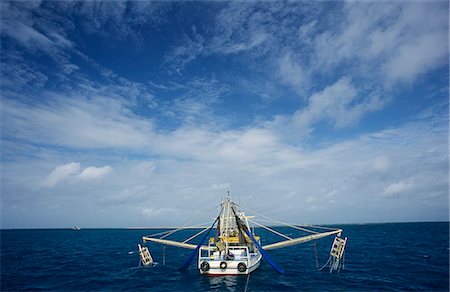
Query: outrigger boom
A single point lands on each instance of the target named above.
(299, 240)
(276, 245)
(169, 242)
(235, 249)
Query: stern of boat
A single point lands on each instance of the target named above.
(241, 263)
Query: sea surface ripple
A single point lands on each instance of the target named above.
(380, 257)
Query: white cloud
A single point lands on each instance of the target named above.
(258, 29)
(381, 164)
(101, 12)
(77, 122)
(62, 172)
(237, 28)
(27, 35)
(22, 75)
(397, 188)
(294, 74)
(144, 168)
(92, 172)
(197, 103)
(306, 31)
(256, 39)
(417, 57)
(396, 41)
(359, 175)
(185, 53)
(73, 172)
(116, 21)
(21, 23)
(156, 212)
(338, 104)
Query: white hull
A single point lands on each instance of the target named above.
(231, 266)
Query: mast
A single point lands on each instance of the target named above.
(227, 220)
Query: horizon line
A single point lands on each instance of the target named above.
(200, 227)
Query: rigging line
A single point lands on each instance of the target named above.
(195, 235)
(246, 283)
(271, 230)
(329, 259)
(173, 231)
(160, 233)
(201, 225)
(292, 225)
(297, 226)
(186, 264)
(304, 229)
(257, 244)
(315, 253)
(286, 224)
(169, 231)
(164, 255)
(343, 261)
(187, 224)
(319, 227)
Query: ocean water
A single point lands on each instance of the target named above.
(383, 257)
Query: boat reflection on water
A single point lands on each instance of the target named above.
(223, 282)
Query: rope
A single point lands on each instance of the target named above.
(321, 227)
(329, 259)
(164, 255)
(187, 224)
(160, 233)
(288, 225)
(343, 261)
(246, 283)
(195, 235)
(185, 266)
(280, 222)
(335, 264)
(315, 253)
(271, 230)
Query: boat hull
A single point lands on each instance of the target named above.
(230, 268)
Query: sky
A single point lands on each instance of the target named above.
(131, 114)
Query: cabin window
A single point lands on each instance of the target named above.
(204, 253)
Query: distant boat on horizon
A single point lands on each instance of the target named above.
(76, 228)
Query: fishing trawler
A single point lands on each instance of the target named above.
(235, 249)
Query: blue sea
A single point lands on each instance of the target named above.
(383, 257)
